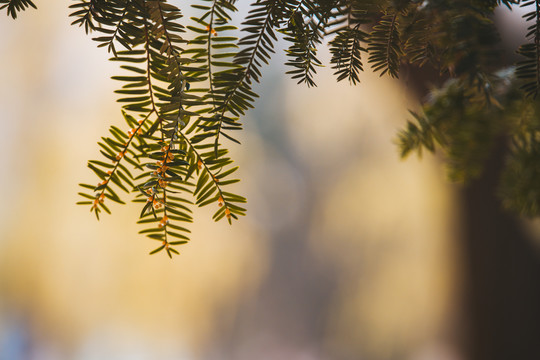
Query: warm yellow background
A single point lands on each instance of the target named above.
(331, 207)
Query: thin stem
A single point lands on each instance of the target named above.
(208, 171)
(231, 92)
(124, 150)
(154, 108)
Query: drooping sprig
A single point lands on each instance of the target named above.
(529, 68)
(162, 105)
(306, 21)
(384, 45)
(15, 6)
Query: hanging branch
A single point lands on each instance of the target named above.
(529, 69)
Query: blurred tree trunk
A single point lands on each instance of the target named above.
(500, 292)
(501, 274)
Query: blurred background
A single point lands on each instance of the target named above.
(346, 252)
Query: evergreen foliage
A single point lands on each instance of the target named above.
(15, 6)
(186, 83)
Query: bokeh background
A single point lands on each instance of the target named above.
(347, 252)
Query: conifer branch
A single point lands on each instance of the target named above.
(234, 83)
(204, 191)
(15, 6)
(384, 47)
(529, 68)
